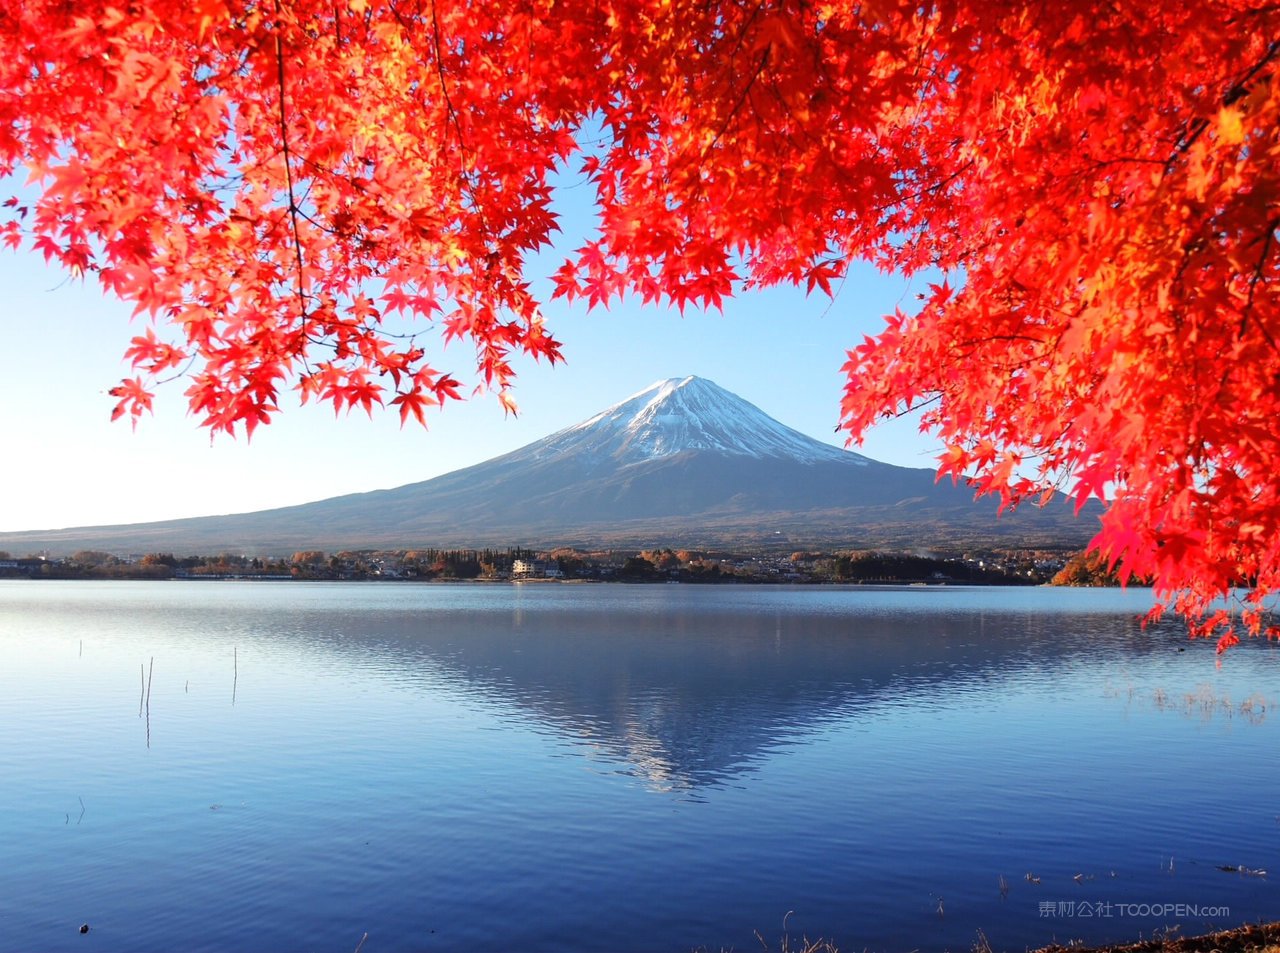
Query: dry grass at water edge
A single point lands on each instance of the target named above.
(1205, 702)
(1252, 938)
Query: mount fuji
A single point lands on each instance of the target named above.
(683, 462)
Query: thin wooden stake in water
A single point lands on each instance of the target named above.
(361, 943)
(150, 670)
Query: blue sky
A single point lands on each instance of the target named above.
(67, 464)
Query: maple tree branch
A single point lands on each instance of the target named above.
(1268, 241)
(1192, 130)
(182, 373)
(932, 188)
(1241, 86)
(288, 169)
(737, 106)
(1119, 160)
(466, 179)
(358, 330)
(1178, 281)
(917, 405)
(444, 86)
(990, 338)
(746, 27)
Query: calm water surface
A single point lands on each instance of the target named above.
(559, 767)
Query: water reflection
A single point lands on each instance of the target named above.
(686, 696)
(682, 687)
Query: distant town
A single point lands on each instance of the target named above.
(516, 564)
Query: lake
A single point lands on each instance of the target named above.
(286, 766)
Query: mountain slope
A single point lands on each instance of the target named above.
(682, 462)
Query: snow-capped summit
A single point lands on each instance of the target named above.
(685, 414)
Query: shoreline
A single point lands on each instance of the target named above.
(1250, 938)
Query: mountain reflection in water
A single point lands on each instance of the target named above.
(687, 695)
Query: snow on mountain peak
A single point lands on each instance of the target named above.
(690, 413)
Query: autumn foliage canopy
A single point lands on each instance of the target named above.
(292, 190)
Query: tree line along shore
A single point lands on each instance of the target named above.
(515, 563)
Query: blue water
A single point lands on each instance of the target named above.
(597, 767)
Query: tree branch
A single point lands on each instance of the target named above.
(288, 162)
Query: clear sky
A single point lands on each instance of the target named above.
(66, 464)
